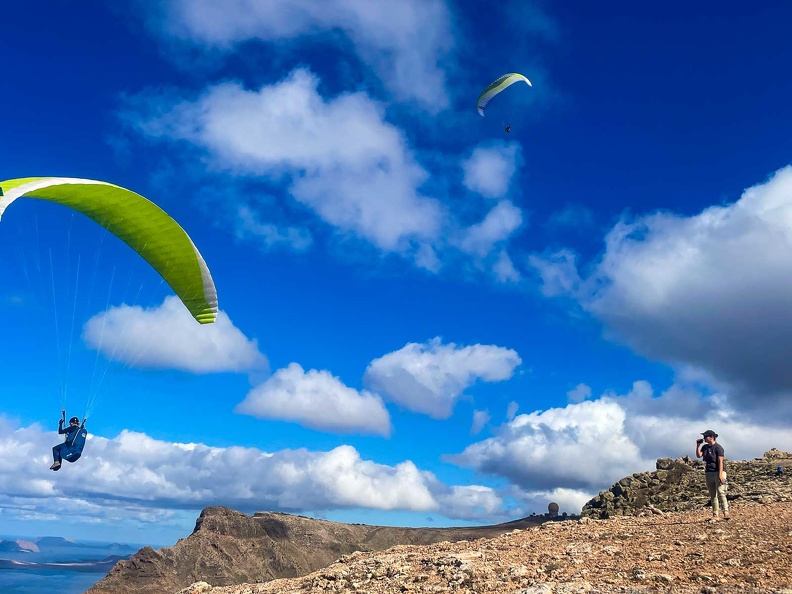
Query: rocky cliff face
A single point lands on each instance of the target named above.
(229, 547)
(679, 553)
(657, 552)
(678, 485)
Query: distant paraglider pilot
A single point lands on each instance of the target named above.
(73, 444)
(494, 88)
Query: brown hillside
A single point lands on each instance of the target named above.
(678, 552)
(229, 547)
(670, 548)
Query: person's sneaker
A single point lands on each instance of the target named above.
(726, 516)
(55, 466)
(713, 520)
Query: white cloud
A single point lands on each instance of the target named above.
(558, 272)
(570, 501)
(66, 510)
(580, 446)
(338, 159)
(490, 169)
(472, 501)
(135, 477)
(426, 258)
(403, 42)
(168, 337)
(586, 447)
(480, 420)
(579, 393)
(318, 400)
(341, 159)
(709, 293)
(501, 221)
(429, 378)
(511, 410)
(505, 270)
(269, 235)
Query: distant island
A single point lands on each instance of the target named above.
(100, 566)
(44, 543)
(18, 546)
(55, 553)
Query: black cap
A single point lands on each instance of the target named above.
(710, 433)
(74, 420)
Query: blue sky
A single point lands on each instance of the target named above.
(424, 320)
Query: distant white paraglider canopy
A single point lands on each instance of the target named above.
(496, 87)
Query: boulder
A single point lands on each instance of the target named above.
(678, 485)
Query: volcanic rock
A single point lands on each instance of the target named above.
(229, 547)
(647, 533)
(679, 485)
(679, 553)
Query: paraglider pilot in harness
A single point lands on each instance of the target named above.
(73, 444)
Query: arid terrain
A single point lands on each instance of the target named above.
(673, 552)
(228, 547)
(650, 532)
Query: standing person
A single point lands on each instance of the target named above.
(73, 443)
(714, 471)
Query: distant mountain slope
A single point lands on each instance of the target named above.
(229, 547)
(18, 546)
(672, 553)
(56, 541)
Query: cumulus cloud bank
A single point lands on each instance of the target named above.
(318, 400)
(344, 162)
(429, 378)
(580, 446)
(168, 337)
(390, 37)
(709, 293)
(133, 475)
(336, 156)
(587, 446)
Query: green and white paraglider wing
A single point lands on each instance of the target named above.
(497, 86)
(137, 221)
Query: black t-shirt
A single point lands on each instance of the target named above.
(710, 454)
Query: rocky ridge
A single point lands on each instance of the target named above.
(229, 547)
(642, 547)
(677, 552)
(676, 485)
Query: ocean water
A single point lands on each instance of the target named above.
(59, 567)
(46, 582)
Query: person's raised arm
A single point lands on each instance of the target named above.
(698, 448)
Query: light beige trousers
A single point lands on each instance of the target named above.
(717, 491)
